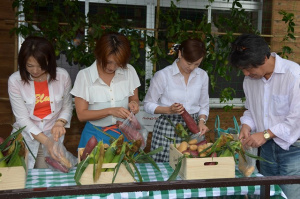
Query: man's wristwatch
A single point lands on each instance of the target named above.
(267, 135)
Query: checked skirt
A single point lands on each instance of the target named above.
(162, 129)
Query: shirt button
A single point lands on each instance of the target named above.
(24, 101)
(112, 99)
(51, 102)
(52, 111)
(42, 120)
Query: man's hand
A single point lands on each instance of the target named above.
(255, 140)
(245, 132)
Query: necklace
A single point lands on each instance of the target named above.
(41, 78)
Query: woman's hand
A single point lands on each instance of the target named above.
(202, 127)
(176, 108)
(53, 149)
(134, 107)
(48, 143)
(120, 112)
(58, 130)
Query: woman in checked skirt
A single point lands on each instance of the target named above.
(180, 85)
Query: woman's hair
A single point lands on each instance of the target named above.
(114, 44)
(42, 50)
(192, 49)
(248, 51)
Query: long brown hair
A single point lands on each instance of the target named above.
(192, 49)
(112, 44)
(42, 50)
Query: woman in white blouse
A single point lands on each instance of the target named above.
(40, 98)
(107, 91)
(178, 86)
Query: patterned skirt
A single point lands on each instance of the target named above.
(162, 129)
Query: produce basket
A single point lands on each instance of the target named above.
(201, 168)
(123, 176)
(13, 177)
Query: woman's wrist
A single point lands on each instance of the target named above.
(133, 102)
(61, 122)
(201, 119)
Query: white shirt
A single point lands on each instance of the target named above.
(275, 103)
(90, 87)
(22, 99)
(168, 87)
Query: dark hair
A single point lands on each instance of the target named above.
(112, 44)
(192, 49)
(42, 50)
(248, 51)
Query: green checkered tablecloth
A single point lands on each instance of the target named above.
(48, 178)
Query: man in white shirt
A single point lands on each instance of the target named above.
(272, 90)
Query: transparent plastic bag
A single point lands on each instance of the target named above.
(57, 157)
(133, 130)
(248, 165)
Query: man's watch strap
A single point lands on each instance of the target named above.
(267, 135)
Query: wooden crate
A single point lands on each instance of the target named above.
(195, 168)
(123, 175)
(13, 177)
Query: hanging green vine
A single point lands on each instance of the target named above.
(66, 25)
(288, 18)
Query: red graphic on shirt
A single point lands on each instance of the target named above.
(42, 100)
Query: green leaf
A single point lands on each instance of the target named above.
(257, 157)
(15, 159)
(117, 167)
(28, 148)
(137, 172)
(147, 159)
(127, 166)
(177, 169)
(15, 134)
(157, 150)
(172, 139)
(80, 169)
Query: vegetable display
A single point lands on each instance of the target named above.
(118, 152)
(224, 146)
(13, 150)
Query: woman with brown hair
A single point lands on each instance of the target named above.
(180, 85)
(40, 97)
(106, 91)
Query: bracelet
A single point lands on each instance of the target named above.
(60, 120)
(134, 102)
(204, 121)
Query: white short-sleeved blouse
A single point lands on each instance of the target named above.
(90, 87)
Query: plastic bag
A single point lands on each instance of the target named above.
(248, 165)
(63, 160)
(133, 130)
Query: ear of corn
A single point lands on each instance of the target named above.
(2, 161)
(117, 157)
(99, 159)
(111, 151)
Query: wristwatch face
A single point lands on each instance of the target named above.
(266, 135)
